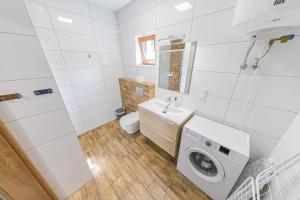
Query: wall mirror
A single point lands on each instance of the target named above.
(176, 60)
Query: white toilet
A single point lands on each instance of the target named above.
(130, 123)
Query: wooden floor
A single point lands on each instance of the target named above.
(131, 167)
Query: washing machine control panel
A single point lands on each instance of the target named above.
(207, 142)
(224, 150)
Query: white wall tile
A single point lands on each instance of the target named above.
(103, 14)
(178, 29)
(87, 89)
(111, 85)
(167, 14)
(129, 59)
(217, 84)
(107, 59)
(260, 119)
(159, 1)
(128, 45)
(77, 6)
(76, 42)
(47, 38)
(48, 155)
(126, 29)
(55, 59)
(113, 96)
(79, 23)
(59, 174)
(148, 73)
(108, 45)
(220, 58)
(125, 13)
(112, 73)
(96, 116)
(61, 77)
(106, 29)
(81, 59)
(32, 131)
(38, 14)
(74, 184)
(85, 75)
(274, 91)
(91, 101)
(210, 106)
(114, 105)
(218, 29)
(20, 56)
(261, 145)
(14, 18)
(78, 123)
(203, 7)
(37, 1)
(142, 5)
(130, 72)
(67, 92)
(289, 143)
(72, 106)
(278, 153)
(145, 22)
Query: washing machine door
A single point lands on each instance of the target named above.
(204, 165)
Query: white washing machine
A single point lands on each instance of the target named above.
(212, 156)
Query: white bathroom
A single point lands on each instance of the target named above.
(149, 99)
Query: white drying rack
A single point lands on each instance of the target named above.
(281, 181)
(245, 191)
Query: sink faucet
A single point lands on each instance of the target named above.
(169, 103)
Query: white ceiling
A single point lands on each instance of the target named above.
(114, 5)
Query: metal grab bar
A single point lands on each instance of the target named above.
(43, 91)
(8, 97)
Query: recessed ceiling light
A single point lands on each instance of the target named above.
(183, 6)
(66, 20)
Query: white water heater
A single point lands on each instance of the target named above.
(267, 17)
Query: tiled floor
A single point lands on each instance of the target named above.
(131, 167)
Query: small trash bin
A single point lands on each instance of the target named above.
(120, 112)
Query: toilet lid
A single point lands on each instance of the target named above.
(130, 119)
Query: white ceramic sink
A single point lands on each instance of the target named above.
(174, 114)
(165, 108)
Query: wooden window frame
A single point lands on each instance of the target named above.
(141, 40)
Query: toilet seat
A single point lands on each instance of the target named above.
(130, 122)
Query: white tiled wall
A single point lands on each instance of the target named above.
(289, 142)
(84, 57)
(40, 124)
(275, 99)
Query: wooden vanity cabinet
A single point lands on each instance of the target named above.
(162, 132)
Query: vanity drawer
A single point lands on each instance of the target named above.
(163, 142)
(160, 131)
(159, 125)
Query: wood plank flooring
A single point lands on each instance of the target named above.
(129, 167)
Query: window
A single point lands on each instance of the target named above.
(146, 45)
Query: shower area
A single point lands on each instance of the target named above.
(81, 44)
